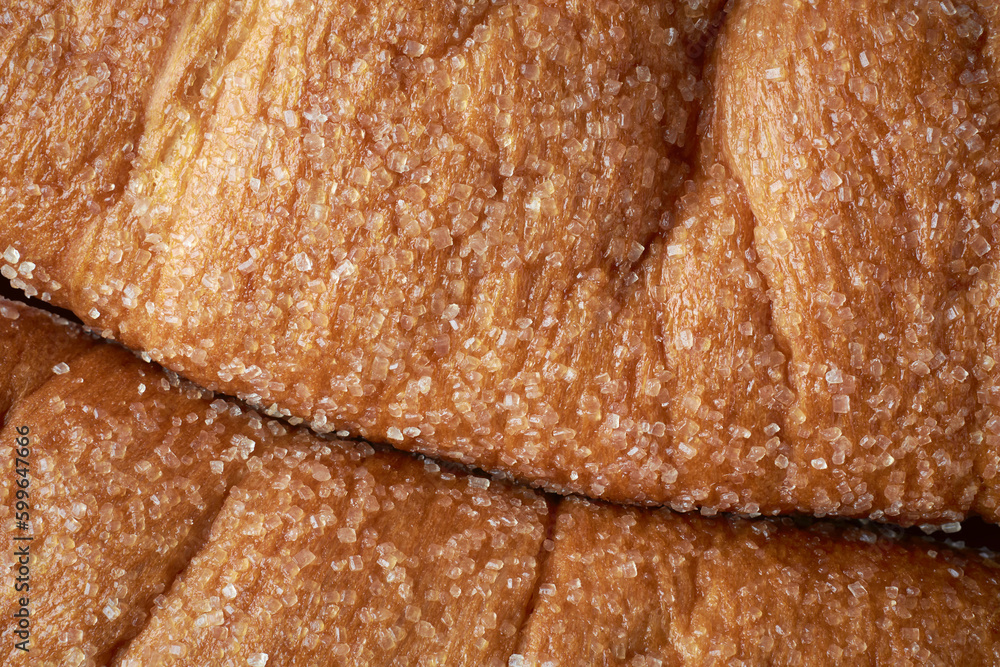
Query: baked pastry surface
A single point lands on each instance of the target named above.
(648, 253)
(176, 527)
(300, 547)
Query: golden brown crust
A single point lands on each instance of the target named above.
(35, 342)
(337, 557)
(175, 527)
(129, 468)
(492, 235)
(509, 108)
(866, 158)
(695, 591)
(121, 486)
(726, 391)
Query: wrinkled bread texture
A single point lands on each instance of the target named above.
(316, 549)
(652, 253)
(174, 527)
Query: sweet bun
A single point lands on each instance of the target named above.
(662, 253)
(176, 527)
